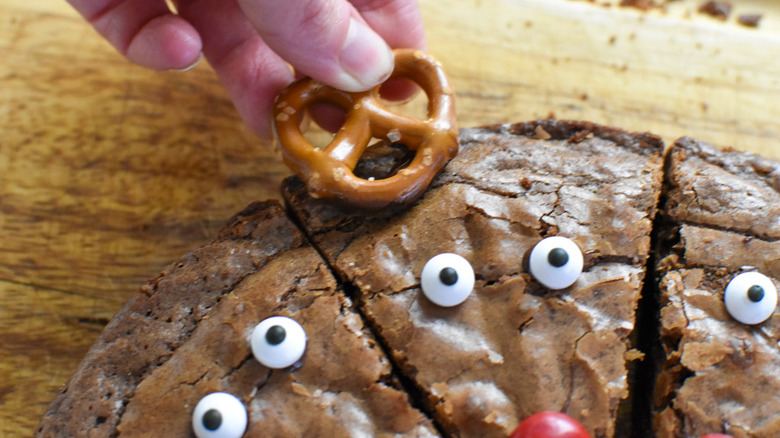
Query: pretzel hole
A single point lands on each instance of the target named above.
(316, 136)
(327, 116)
(383, 159)
(398, 89)
(327, 120)
(404, 97)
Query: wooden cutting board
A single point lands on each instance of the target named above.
(108, 171)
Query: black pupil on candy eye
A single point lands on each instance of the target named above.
(275, 335)
(558, 257)
(755, 293)
(212, 419)
(448, 276)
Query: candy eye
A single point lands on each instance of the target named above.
(278, 342)
(750, 298)
(447, 279)
(219, 415)
(556, 262)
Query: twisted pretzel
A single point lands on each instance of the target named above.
(329, 172)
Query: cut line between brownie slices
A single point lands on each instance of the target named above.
(321, 219)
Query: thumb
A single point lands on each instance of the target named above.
(325, 39)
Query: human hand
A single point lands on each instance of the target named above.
(250, 43)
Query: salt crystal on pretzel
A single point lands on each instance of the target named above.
(328, 172)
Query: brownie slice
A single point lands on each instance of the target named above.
(722, 218)
(514, 347)
(186, 335)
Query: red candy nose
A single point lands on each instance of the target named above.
(550, 425)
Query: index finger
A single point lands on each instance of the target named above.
(325, 39)
(144, 31)
(400, 23)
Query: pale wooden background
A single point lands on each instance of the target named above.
(108, 172)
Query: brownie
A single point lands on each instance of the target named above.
(513, 347)
(717, 374)
(186, 334)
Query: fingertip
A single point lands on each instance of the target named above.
(399, 22)
(365, 59)
(253, 75)
(191, 66)
(261, 128)
(164, 43)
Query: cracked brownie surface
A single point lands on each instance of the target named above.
(513, 348)
(721, 219)
(186, 334)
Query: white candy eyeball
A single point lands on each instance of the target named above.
(556, 262)
(278, 342)
(219, 415)
(447, 279)
(750, 297)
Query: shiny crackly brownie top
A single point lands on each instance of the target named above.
(513, 347)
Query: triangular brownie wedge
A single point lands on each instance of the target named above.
(719, 360)
(514, 347)
(187, 334)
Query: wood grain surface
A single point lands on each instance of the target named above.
(108, 172)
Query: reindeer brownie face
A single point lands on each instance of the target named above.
(552, 221)
(719, 324)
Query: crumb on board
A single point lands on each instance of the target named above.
(749, 20)
(719, 10)
(639, 4)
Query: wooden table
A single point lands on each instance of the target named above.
(108, 172)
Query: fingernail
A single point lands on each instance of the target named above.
(365, 58)
(191, 66)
